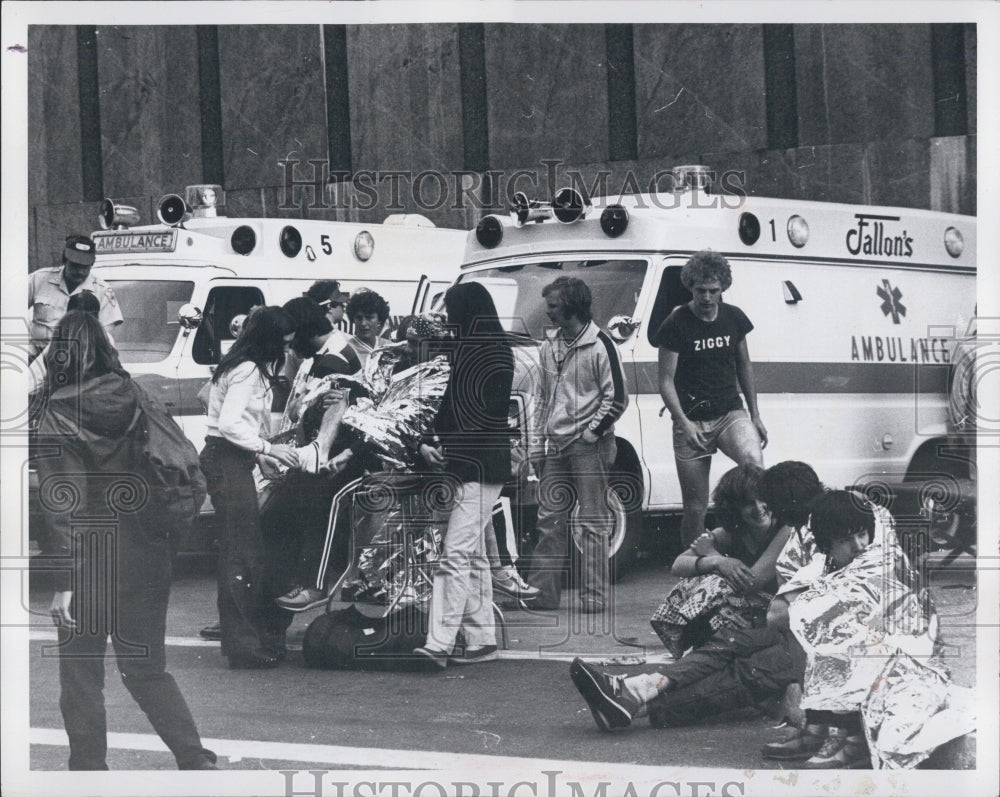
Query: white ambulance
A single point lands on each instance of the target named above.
(855, 310)
(185, 285)
(182, 283)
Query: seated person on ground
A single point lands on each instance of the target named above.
(738, 668)
(729, 575)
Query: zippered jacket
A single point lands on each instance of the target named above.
(581, 385)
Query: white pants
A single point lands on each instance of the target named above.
(463, 589)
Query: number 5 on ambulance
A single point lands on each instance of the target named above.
(855, 310)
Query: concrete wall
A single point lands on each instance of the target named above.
(176, 104)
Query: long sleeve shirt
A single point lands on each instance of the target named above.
(239, 407)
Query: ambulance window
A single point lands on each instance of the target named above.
(224, 303)
(149, 309)
(670, 294)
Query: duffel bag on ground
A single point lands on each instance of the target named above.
(350, 640)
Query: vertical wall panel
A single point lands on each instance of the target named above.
(54, 163)
(699, 87)
(273, 104)
(338, 98)
(150, 115)
(863, 83)
(971, 84)
(548, 94)
(407, 99)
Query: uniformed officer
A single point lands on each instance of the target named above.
(49, 290)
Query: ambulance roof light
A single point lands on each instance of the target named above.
(116, 217)
(489, 231)
(290, 241)
(205, 201)
(696, 176)
(614, 220)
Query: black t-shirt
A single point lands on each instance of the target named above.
(706, 365)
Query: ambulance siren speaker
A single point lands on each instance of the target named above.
(569, 205)
(116, 217)
(173, 210)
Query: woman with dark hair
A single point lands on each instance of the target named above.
(474, 451)
(729, 575)
(239, 412)
(112, 579)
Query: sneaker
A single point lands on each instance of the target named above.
(475, 655)
(212, 632)
(799, 747)
(508, 582)
(300, 599)
(610, 703)
(438, 657)
(841, 751)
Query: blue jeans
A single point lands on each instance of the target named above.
(577, 475)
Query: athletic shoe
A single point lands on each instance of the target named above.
(438, 657)
(508, 582)
(610, 703)
(300, 599)
(799, 747)
(841, 751)
(475, 655)
(211, 632)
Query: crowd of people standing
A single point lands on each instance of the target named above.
(732, 623)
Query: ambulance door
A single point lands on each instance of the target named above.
(221, 301)
(656, 452)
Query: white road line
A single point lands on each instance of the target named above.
(626, 656)
(235, 750)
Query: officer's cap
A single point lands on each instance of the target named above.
(79, 249)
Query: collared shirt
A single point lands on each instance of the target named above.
(48, 297)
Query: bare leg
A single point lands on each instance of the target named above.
(693, 476)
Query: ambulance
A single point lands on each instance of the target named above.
(856, 310)
(185, 285)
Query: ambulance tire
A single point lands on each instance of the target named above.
(625, 492)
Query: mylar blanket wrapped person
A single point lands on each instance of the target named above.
(859, 625)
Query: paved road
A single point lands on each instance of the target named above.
(523, 708)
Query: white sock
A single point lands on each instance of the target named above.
(646, 686)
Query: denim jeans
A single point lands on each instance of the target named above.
(735, 669)
(577, 475)
(463, 588)
(121, 589)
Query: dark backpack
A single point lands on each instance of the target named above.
(348, 640)
(168, 461)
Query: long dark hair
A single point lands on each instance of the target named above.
(472, 313)
(262, 342)
(80, 350)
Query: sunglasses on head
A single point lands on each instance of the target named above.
(330, 303)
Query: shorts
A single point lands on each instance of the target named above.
(711, 430)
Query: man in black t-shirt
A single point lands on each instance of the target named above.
(704, 365)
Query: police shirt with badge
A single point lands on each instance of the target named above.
(48, 297)
(705, 378)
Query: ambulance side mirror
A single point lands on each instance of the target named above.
(622, 327)
(189, 317)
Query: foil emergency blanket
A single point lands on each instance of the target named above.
(851, 621)
(402, 409)
(396, 553)
(710, 599)
(911, 710)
